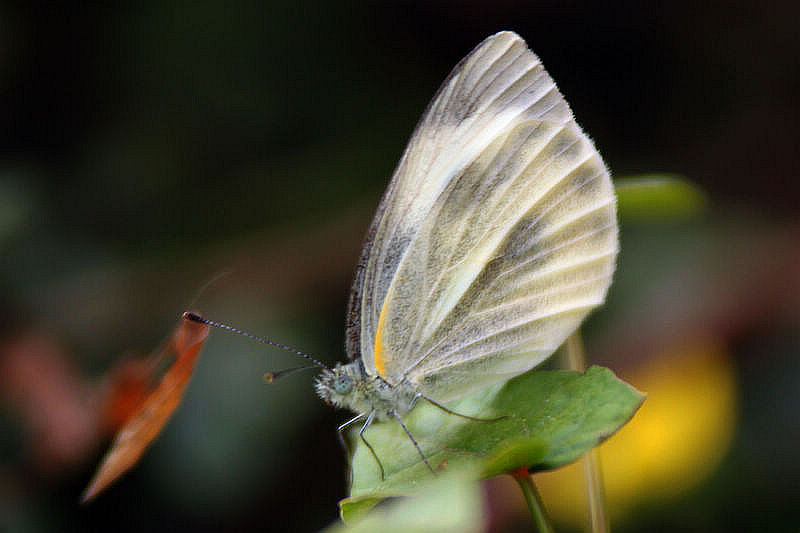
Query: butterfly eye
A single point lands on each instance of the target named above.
(343, 384)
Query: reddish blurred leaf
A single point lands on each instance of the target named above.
(44, 390)
(152, 414)
(131, 382)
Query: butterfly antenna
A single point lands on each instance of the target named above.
(270, 377)
(194, 317)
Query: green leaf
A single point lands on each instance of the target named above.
(658, 197)
(447, 504)
(549, 418)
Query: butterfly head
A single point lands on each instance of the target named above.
(338, 385)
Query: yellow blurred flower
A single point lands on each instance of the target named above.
(678, 437)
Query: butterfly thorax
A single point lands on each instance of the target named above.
(349, 386)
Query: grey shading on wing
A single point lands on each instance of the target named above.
(496, 236)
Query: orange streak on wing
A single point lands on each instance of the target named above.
(379, 351)
(137, 434)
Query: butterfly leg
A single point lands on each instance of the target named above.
(451, 412)
(343, 444)
(414, 442)
(369, 420)
(340, 433)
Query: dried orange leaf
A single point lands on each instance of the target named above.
(148, 420)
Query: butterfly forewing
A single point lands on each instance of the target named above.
(496, 236)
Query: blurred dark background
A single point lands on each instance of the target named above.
(147, 147)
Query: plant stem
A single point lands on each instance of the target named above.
(597, 496)
(575, 354)
(591, 461)
(534, 501)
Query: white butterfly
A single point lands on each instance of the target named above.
(495, 238)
